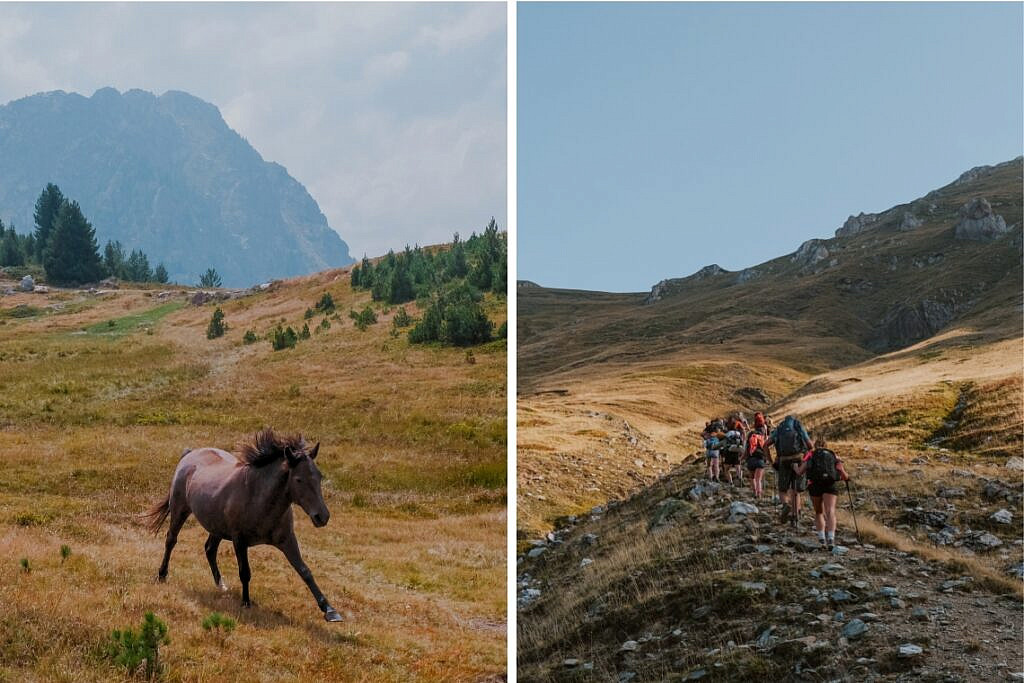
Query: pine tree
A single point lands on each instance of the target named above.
(72, 255)
(210, 278)
(138, 267)
(11, 253)
(160, 274)
(48, 207)
(114, 260)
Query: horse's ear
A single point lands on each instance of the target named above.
(312, 453)
(289, 454)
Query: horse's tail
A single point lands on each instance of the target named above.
(157, 514)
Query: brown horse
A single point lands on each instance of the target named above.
(247, 499)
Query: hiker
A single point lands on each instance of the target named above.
(731, 455)
(791, 443)
(756, 459)
(760, 425)
(712, 444)
(823, 469)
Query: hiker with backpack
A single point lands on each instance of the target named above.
(791, 443)
(712, 446)
(823, 469)
(756, 459)
(731, 453)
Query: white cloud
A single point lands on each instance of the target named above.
(392, 114)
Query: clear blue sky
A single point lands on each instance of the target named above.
(654, 139)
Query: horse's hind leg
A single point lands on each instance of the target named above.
(178, 514)
(212, 543)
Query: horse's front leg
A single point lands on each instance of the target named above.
(290, 548)
(242, 555)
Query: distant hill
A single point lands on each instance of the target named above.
(884, 282)
(166, 175)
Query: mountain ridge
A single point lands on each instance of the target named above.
(165, 174)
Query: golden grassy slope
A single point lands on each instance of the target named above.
(413, 455)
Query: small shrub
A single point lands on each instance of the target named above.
(304, 334)
(65, 553)
(294, 391)
(210, 278)
(130, 649)
(402, 318)
(249, 337)
(326, 304)
(111, 323)
(217, 326)
(25, 565)
(308, 314)
(470, 358)
(325, 325)
(503, 331)
(363, 318)
(283, 338)
(219, 624)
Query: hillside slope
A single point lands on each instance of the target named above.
(101, 391)
(164, 174)
(614, 387)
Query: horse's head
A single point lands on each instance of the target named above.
(304, 484)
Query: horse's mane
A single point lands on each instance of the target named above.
(268, 446)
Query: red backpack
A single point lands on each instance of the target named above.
(756, 442)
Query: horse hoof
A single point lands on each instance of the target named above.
(223, 586)
(332, 615)
(161, 578)
(247, 605)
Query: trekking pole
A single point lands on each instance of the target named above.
(852, 511)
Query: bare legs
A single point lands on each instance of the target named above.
(713, 468)
(757, 482)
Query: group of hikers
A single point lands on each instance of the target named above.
(800, 464)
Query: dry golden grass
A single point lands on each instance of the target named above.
(93, 418)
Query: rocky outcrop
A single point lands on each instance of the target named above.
(978, 222)
(657, 292)
(810, 253)
(747, 274)
(708, 271)
(979, 172)
(855, 225)
(908, 323)
(908, 221)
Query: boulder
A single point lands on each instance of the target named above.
(1002, 516)
(854, 629)
(27, 284)
(978, 223)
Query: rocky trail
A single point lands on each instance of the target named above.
(694, 580)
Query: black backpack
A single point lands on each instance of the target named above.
(822, 467)
(788, 439)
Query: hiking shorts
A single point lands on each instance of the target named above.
(712, 455)
(818, 489)
(755, 464)
(788, 479)
(732, 458)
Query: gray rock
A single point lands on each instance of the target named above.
(982, 540)
(741, 508)
(585, 561)
(1002, 516)
(1015, 463)
(854, 629)
(697, 674)
(896, 603)
(810, 253)
(919, 614)
(27, 284)
(908, 221)
(832, 569)
(840, 595)
(589, 539)
(889, 591)
(855, 225)
(753, 586)
(840, 550)
(766, 640)
(527, 596)
(571, 663)
(952, 492)
(1016, 570)
(536, 552)
(626, 676)
(910, 650)
(630, 646)
(978, 222)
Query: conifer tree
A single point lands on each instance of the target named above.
(71, 255)
(48, 207)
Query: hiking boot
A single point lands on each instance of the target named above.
(784, 514)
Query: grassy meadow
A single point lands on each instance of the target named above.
(99, 395)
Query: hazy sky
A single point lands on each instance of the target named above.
(655, 139)
(392, 115)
